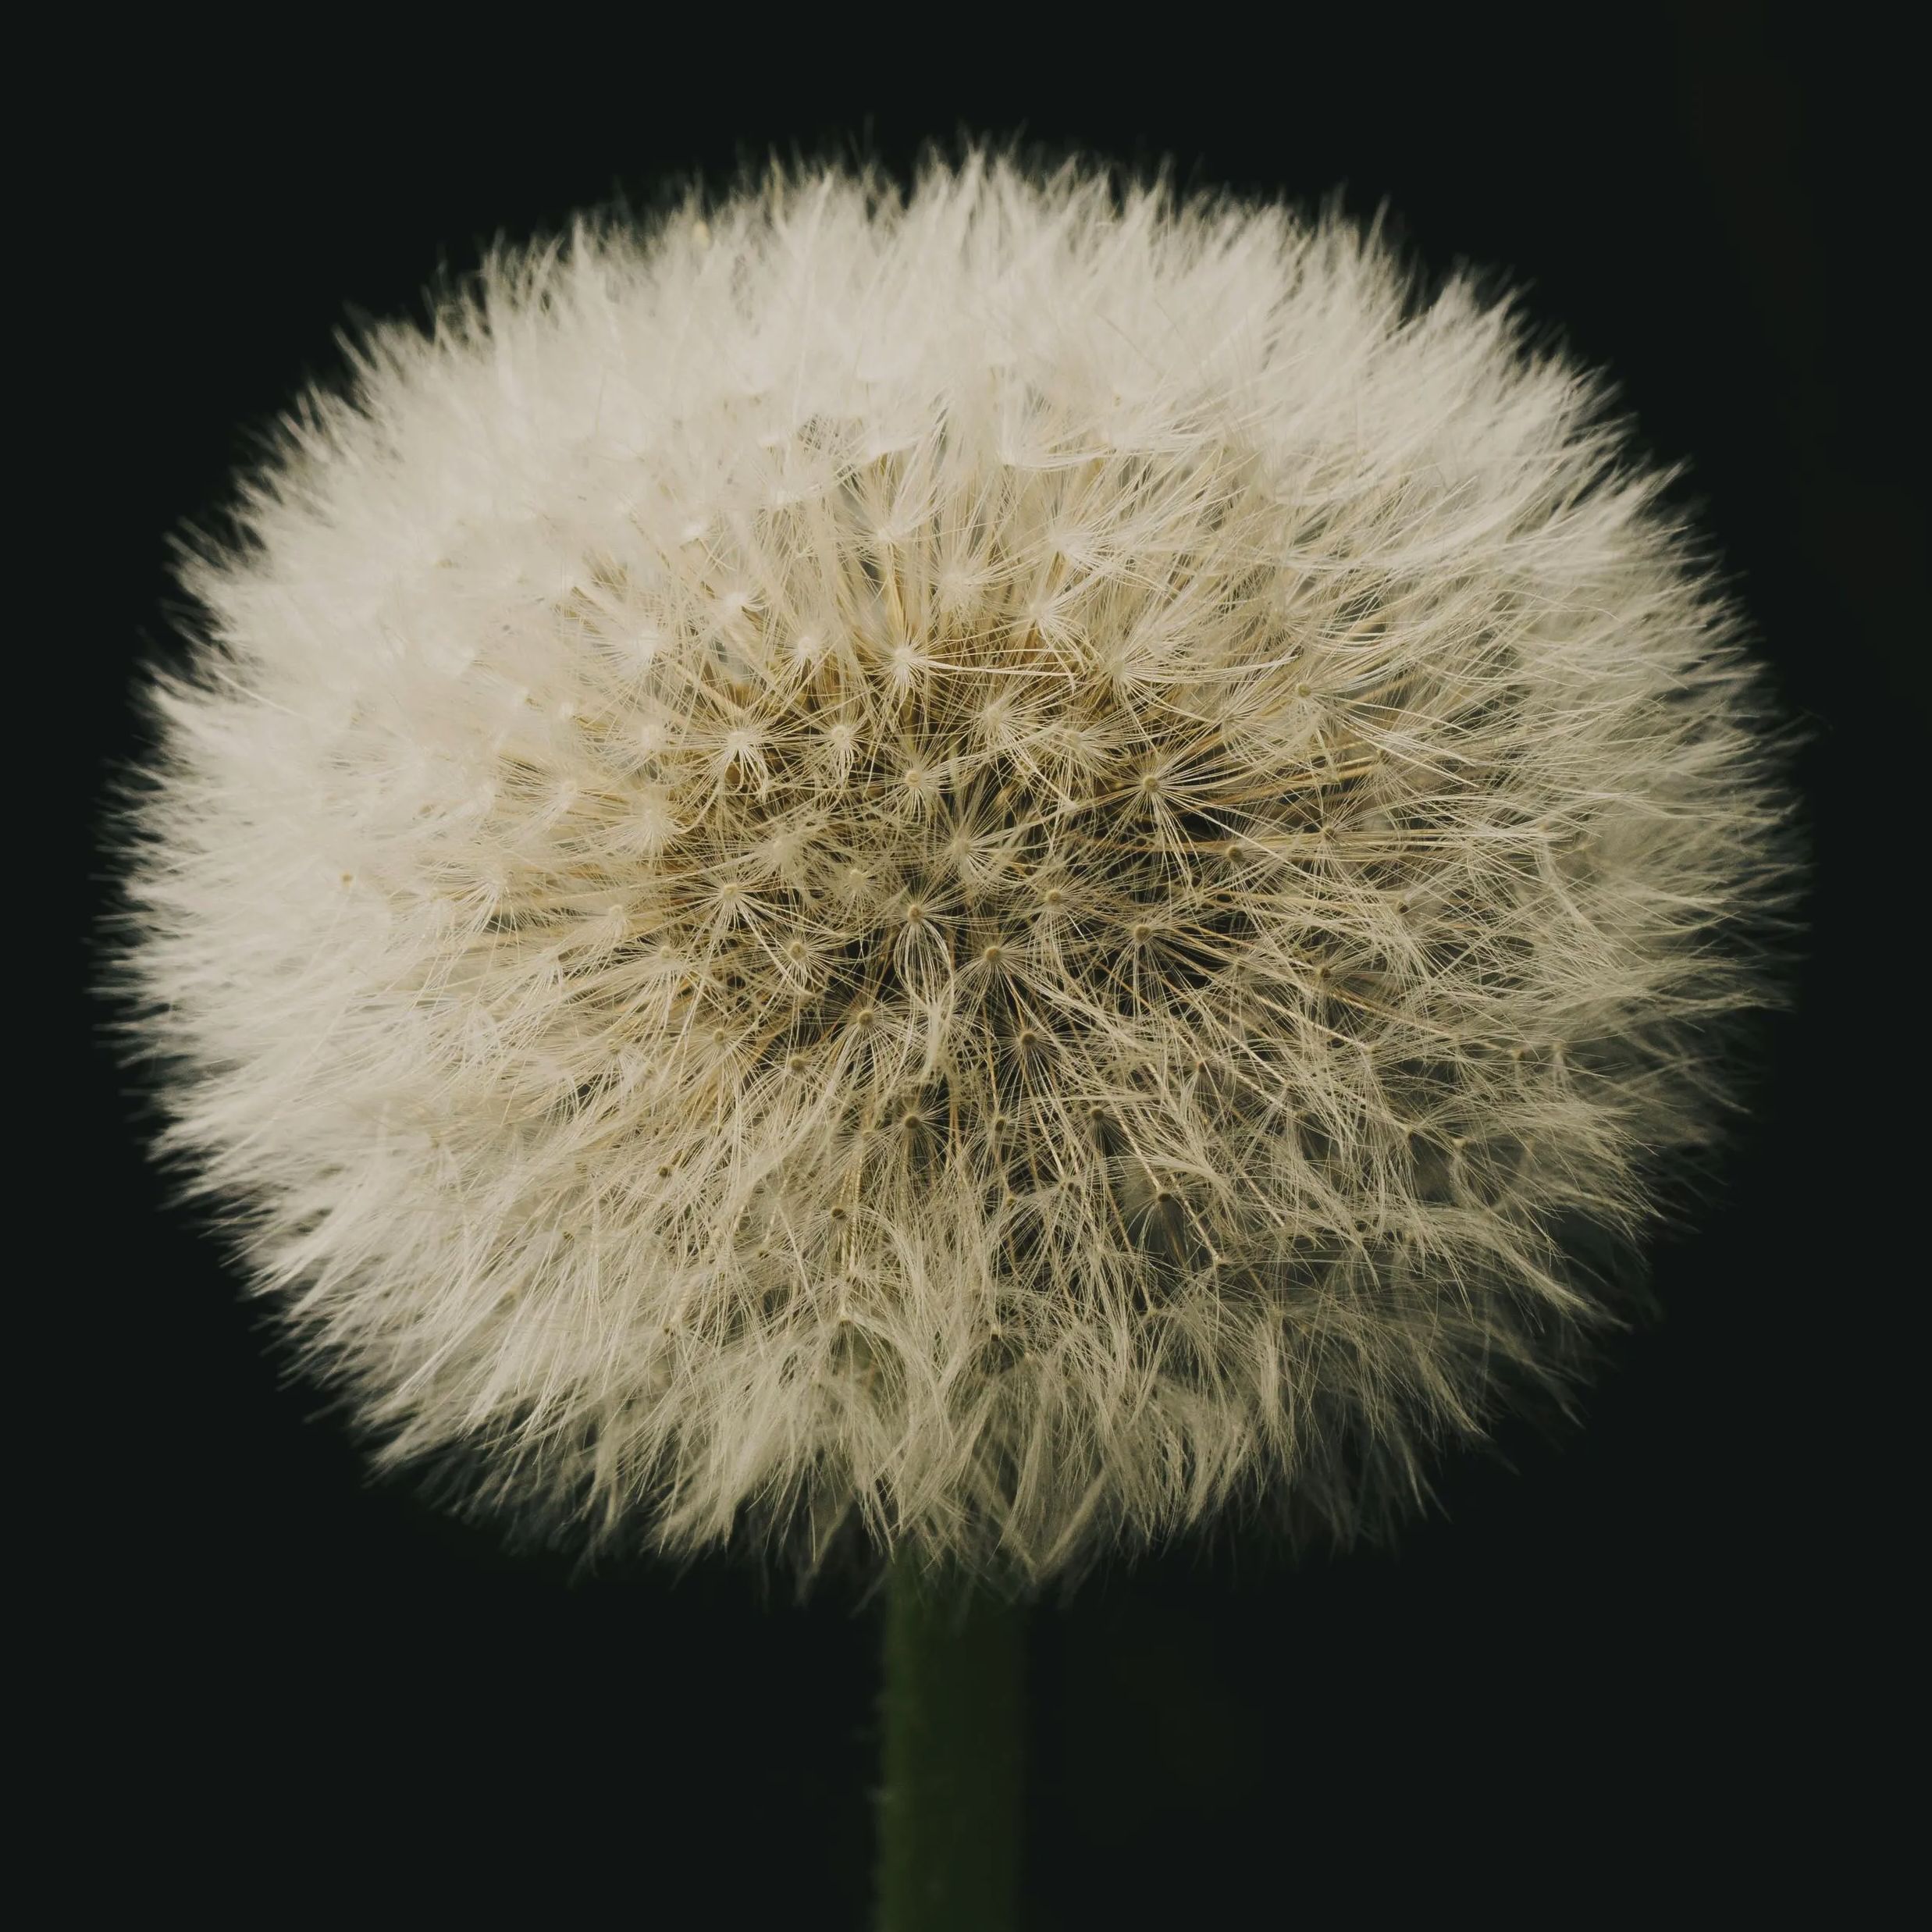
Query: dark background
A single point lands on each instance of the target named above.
(1643, 1645)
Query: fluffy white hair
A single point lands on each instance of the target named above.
(1005, 863)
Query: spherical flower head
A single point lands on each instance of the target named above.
(1003, 865)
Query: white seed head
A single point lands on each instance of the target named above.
(1004, 864)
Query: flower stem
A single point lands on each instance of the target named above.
(952, 1721)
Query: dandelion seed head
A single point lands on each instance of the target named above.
(1105, 801)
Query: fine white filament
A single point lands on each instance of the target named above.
(1006, 864)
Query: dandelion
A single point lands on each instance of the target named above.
(999, 866)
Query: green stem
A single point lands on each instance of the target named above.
(954, 1748)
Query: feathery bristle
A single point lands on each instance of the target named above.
(1019, 861)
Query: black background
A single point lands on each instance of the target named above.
(1644, 1645)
